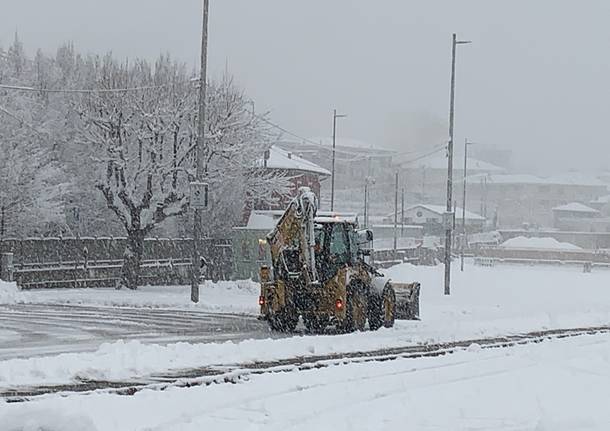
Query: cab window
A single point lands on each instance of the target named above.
(338, 244)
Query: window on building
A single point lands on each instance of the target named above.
(245, 250)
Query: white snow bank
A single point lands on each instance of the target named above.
(522, 242)
(223, 296)
(11, 294)
(123, 360)
(559, 385)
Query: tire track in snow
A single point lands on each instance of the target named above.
(234, 373)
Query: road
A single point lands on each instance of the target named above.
(40, 329)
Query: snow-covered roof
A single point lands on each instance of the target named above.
(262, 221)
(349, 143)
(577, 179)
(282, 159)
(439, 161)
(267, 219)
(575, 207)
(440, 210)
(601, 200)
(522, 242)
(563, 179)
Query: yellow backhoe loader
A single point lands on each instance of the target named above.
(320, 272)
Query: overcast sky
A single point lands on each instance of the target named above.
(535, 78)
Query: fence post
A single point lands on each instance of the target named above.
(6, 267)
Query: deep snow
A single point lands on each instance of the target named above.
(558, 385)
(484, 302)
(223, 296)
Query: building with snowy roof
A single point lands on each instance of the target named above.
(601, 204)
(516, 200)
(354, 161)
(431, 218)
(426, 177)
(577, 217)
(299, 172)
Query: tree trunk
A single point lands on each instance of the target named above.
(132, 259)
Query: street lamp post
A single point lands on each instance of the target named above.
(200, 173)
(368, 181)
(449, 220)
(332, 179)
(463, 242)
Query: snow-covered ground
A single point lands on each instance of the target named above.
(554, 385)
(484, 302)
(559, 385)
(223, 296)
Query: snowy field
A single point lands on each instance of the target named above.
(554, 386)
(223, 296)
(484, 302)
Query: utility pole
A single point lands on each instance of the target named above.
(396, 217)
(449, 216)
(423, 184)
(402, 214)
(198, 214)
(366, 191)
(332, 178)
(368, 181)
(463, 244)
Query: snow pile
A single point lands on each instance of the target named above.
(11, 294)
(223, 296)
(45, 419)
(522, 242)
(124, 360)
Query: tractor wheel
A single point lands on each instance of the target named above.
(388, 306)
(355, 310)
(315, 324)
(284, 322)
(375, 312)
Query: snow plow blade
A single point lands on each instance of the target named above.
(407, 300)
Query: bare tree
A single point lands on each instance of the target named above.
(236, 137)
(32, 183)
(142, 144)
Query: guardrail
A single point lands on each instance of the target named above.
(588, 259)
(157, 272)
(97, 262)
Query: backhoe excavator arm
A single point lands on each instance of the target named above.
(295, 232)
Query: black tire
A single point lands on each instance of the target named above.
(374, 312)
(355, 309)
(283, 322)
(315, 324)
(388, 306)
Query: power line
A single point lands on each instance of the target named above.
(317, 144)
(423, 156)
(262, 118)
(64, 90)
